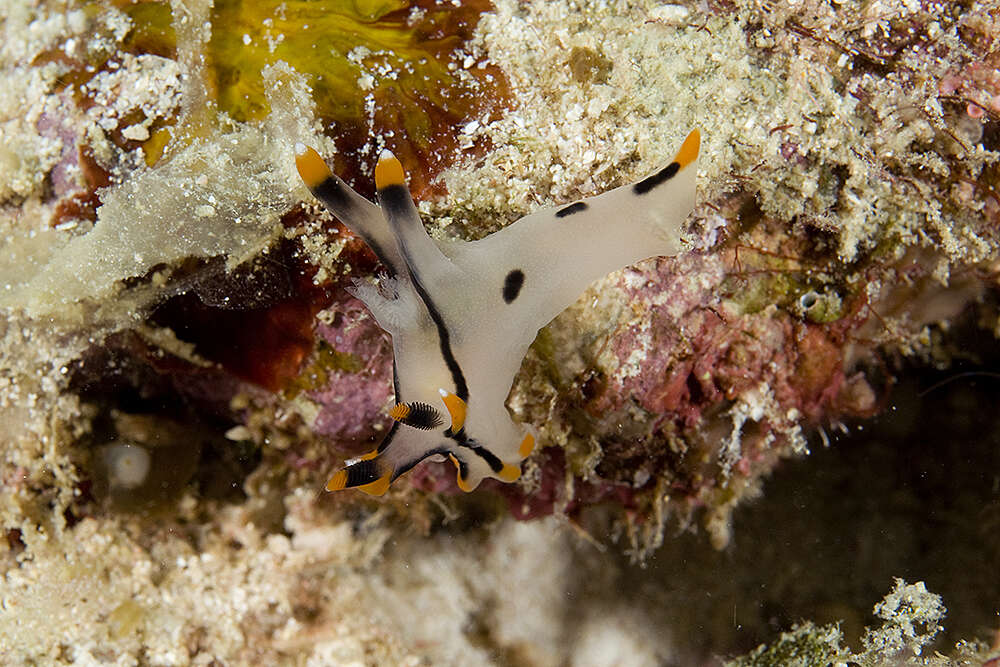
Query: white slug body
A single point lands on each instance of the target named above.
(462, 314)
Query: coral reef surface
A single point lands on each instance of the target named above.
(181, 366)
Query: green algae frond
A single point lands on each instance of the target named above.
(805, 645)
(910, 617)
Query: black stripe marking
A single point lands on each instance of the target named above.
(333, 194)
(571, 209)
(362, 472)
(444, 338)
(409, 465)
(512, 285)
(395, 425)
(422, 416)
(660, 177)
(395, 197)
(396, 202)
(388, 437)
(463, 468)
(495, 464)
(463, 440)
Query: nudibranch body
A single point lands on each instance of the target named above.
(462, 314)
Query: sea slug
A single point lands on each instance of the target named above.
(462, 314)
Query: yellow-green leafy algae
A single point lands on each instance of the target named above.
(396, 69)
(152, 30)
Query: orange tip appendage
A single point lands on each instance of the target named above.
(509, 473)
(456, 408)
(689, 149)
(311, 166)
(527, 446)
(462, 484)
(388, 170)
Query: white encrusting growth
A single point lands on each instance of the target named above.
(462, 315)
(127, 465)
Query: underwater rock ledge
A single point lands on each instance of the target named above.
(183, 368)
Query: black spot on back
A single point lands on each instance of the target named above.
(571, 209)
(662, 176)
(512, 285)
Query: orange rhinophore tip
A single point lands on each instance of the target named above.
(462, 484)
(456, 408)
(527, 446)
(689, 149)
(388, 170)
(311, 166)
